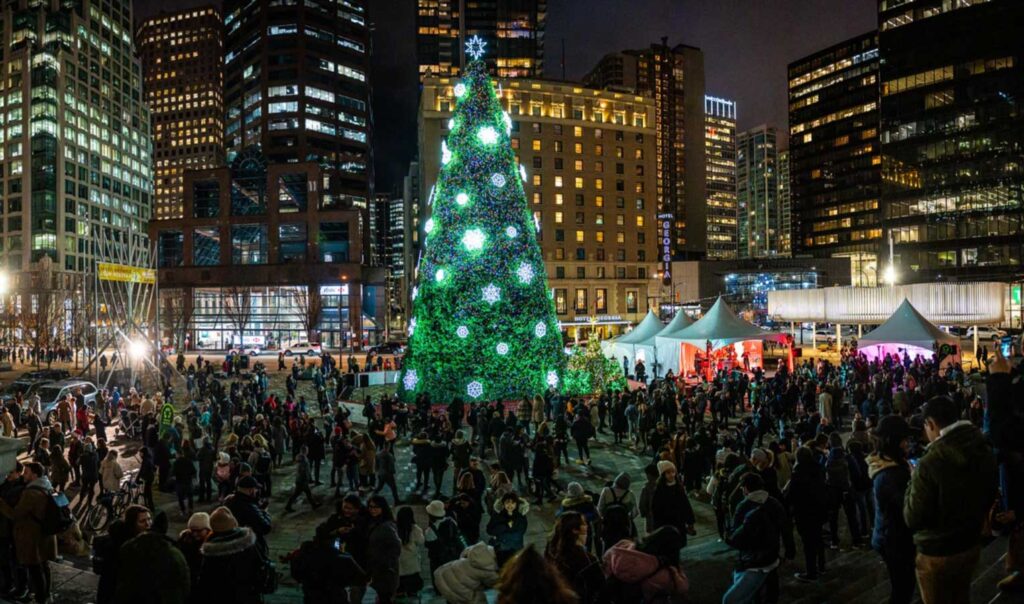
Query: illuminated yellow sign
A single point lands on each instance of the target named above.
(125, 273)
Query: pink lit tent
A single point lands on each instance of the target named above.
(906, 330)
(718, 329)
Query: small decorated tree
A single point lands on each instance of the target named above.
(483, 324)
(590, 372)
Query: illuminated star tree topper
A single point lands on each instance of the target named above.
(475, 47)
(483, 326)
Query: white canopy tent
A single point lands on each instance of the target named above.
(717, 329)
(637, 344)
(668, 354)
(906, 330)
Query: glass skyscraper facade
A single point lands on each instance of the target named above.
(720, 145)
(760, 228)
(952, 138)
(76, 155)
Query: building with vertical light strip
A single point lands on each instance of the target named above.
(760, 226)
(673, 76)
(834, 155)
(720, 146)
(182, 55)
(75, 166)
(513, 30)
(785, 205)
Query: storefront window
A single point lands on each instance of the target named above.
(334, 241)
(249, 244)
(206, 246)
(292, 242)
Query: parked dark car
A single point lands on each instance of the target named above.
(46, 374)
(387, 348)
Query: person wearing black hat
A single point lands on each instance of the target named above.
(245, 506)
(890, 475)
(950, 495)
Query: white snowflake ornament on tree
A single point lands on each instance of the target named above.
(491, 293)
(525, 273)
(475, 389)
(410, 380)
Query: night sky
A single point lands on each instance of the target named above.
(747, 45)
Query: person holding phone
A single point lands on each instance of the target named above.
(890, 471)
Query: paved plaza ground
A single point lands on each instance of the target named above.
(853, 576)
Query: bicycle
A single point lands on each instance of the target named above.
(111, 505)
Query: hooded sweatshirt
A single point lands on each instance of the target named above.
(889, 480)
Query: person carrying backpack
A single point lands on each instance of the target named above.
(618, 510)
(35, 539)
(443, 539)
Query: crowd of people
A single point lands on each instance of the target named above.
(905, 456)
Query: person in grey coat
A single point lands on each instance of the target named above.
(386, 473)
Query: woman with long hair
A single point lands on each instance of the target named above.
(507, 526)
(529, 578)
(383, 549)
(567, 550)
(410, 582)
(890, 475)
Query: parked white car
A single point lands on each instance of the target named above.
(984, 333)
(306, 348)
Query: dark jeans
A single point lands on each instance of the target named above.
(543, 485)
(205, 487)
(814, 548)
(39, 580)
(183, 489)
(316, 470)
(583, 448)
(901, 575)
(387, 481)
(14, 576)
(147, 494)
(302, 490)
(422, 476)
(438, 479)
(850, 510)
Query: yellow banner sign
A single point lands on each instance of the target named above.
(125, 273)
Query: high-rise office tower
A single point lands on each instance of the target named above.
(513, 30)
(757, 193)
(75, 164)
(785, 205)
(952, 135)
(296, 78)
(835, 161)
(182, 56)
(720, 143)
(674, 77)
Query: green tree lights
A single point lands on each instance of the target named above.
(483, 325)
(590, 372)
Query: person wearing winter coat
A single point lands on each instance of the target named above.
(890, 476)
(618, 510)
(807, 500)
(567, 551)
(410, 582)
(232, 564)
(464, 581)
(153, 571)
(383, 549)
(669, 505)
(839, 483)
(950, 495)
(759, 525)
(577, 500)
(110, 473)
(653, 563)
(88, 473)
(324, 572)
(444, 542)
(33, 549)
(646, 495)
(190, 542)
(467, 513)
(582, 431)
(507, 526)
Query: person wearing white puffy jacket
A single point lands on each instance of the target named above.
(464, 581)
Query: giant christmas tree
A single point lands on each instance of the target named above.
(483, 324)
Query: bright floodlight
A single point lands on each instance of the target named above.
(138, 349)
(5, 282)
(890, 275)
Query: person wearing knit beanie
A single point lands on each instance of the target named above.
(222, 520)
(665, 465)
(199, 521)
